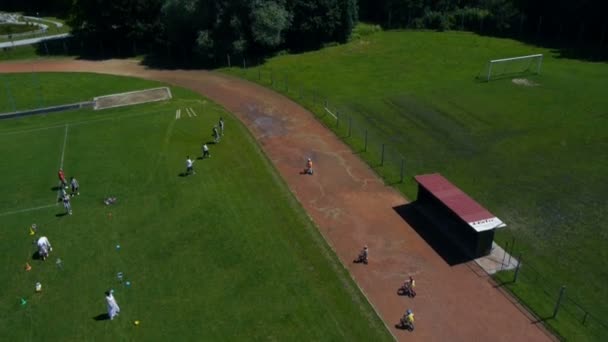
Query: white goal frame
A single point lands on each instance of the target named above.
(539, 63)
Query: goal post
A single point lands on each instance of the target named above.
(514, 65)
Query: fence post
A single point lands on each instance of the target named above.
(517, 269)
(365, 147)
(504, 256)
(402, 169)
(350, 126)
(382, 156)
(559, 301)
(511, 253)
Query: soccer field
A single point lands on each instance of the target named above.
(533, 152)
(208, 256)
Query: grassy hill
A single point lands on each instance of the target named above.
(534, 155)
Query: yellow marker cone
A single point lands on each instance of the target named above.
(32, 232)
(136, 322)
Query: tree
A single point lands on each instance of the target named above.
(269, 22)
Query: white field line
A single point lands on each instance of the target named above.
(81, 122)
(193, 112)
(28, 209)
(330, 113)
(189, 114)
(65, 140)
(178, 114)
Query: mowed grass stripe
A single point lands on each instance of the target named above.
(226, 254)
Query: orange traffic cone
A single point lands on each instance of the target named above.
(28, 267)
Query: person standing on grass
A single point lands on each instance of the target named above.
(44, 247)
(216, 135)
(61, 176)
(67, 205)
(75, 186)
(113, 308)
(222, 126)
(206, 151)
(189, 166)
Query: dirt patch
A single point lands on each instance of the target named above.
(132, 98)
(524, 82)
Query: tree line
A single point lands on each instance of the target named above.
(208, 30)
(569, 21)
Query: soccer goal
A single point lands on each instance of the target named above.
(497, 68)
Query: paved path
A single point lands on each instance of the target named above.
(351, 207)
(31, 41)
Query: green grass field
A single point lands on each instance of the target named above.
(208, 256)
(535, 156)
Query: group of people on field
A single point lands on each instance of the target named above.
(63, 187)
(44, 245)
(217, 133)
(407, 289)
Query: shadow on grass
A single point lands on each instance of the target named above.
(56, 188)
(450, 253)
(61, 214)
(36, 256)
(102, 317)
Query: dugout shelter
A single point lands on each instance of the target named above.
(456, 215)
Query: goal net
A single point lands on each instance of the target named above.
(505, 67)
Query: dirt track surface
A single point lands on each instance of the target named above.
(352, 207)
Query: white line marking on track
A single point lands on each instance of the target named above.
(188, 111)
(178, 114)
(193, 112)
(26, 210)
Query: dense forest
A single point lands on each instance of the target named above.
(208, 30)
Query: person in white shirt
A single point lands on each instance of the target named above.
(66, 204)
(189, 166)
(206, 151)
(44, 247)
(75, 186)
(113, 308)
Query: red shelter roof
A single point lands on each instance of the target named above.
(478, 217)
